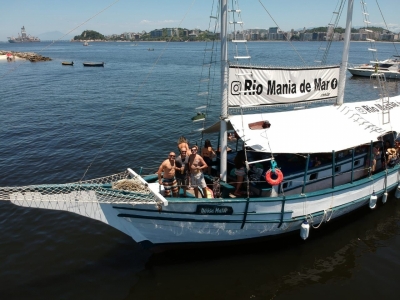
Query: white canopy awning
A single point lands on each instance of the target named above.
(372, 112)
(316, 130)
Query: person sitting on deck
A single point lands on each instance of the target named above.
(233, 136)
(391, 157)
(314, 162)
(397, 147)
(385, 153)
(167, 170)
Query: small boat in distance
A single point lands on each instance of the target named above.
(389, 67)
(93, 64)
(85, 44)
(67, 63)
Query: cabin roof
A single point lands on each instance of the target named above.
(316, 130)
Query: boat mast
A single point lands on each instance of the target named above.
(345, 56)
(224, 90)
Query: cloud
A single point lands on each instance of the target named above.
(391, 26)
(159, 22)
(394, 27)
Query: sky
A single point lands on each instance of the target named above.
(118, 16)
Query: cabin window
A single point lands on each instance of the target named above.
(313, 176)
(356, 162)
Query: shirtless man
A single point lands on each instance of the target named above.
(196, 165)
(168, 168)
(183, 144)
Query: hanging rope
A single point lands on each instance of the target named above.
(141, 85)
(335, 24)
(294, 48)
(394, 45)
(211, 63)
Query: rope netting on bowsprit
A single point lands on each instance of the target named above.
(84, 197)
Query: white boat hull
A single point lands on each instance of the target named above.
(182, 221)
(368, 72)
(178, 223)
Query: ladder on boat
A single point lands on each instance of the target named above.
(378, 76)
(369, 33)
(383, 95)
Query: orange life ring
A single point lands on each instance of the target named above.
(276, 181)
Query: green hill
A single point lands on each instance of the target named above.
(89, 35)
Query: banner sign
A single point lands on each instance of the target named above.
(266, 86)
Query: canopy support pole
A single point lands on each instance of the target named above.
(352, 165)
(305, 175)
(371, 153)
(333, 168)
(345, 56)
(224, 90)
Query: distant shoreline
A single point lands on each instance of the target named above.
(250, 41)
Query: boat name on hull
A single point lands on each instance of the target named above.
(214, 210)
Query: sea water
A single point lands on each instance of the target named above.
(61, 124)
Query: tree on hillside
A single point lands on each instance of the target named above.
(89, 35)
(341, 30)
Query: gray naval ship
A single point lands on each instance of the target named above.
(23, 38)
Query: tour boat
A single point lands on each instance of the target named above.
(304, 166)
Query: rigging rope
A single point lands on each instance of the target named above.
(211, 66)
(339, 13)
(394, 45)
(294, 48)
(140, 87)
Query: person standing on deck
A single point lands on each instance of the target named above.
(182, 162)
(183, 143)
(208, 154)
(376, 155)
(240, 171)
(196, 165)
(167, 170)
